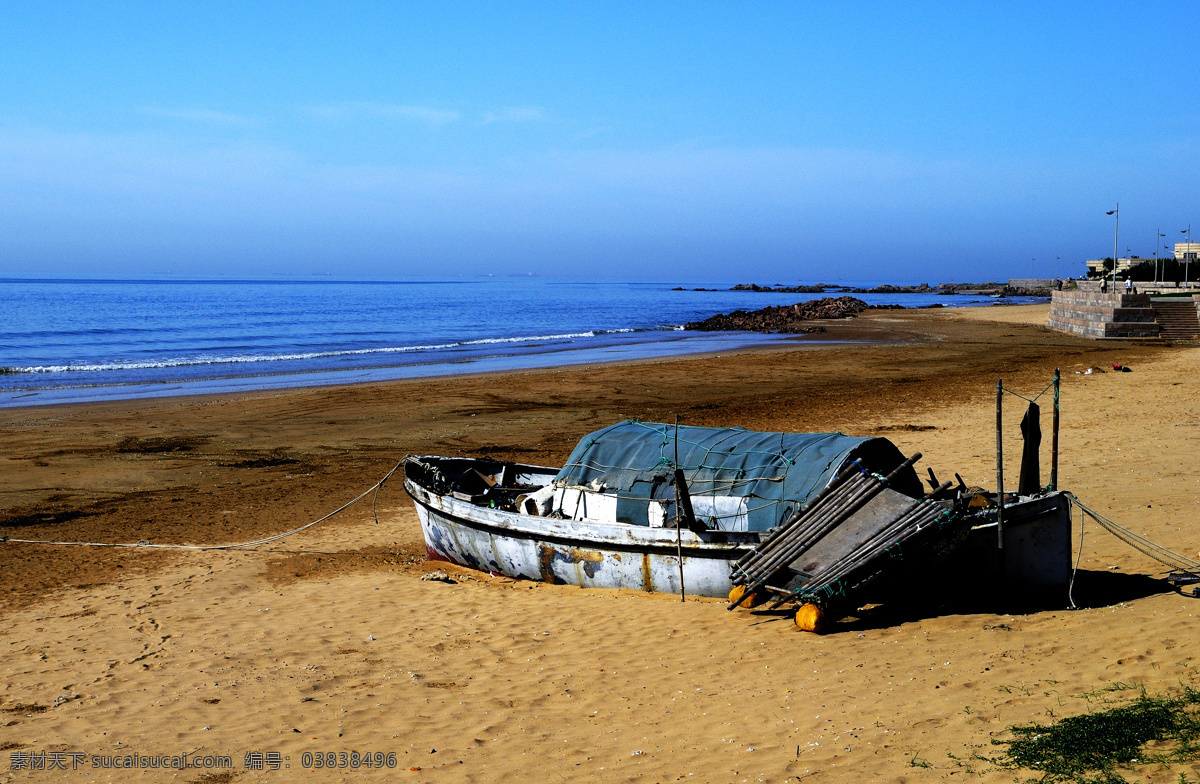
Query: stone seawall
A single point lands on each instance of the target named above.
(1097, 315)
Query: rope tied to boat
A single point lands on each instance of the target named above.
(145, 543)
(1138, 542)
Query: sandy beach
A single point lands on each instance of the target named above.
(330, 641)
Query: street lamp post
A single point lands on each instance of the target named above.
(1116, 213)
(1158, 234)
(1187, 253)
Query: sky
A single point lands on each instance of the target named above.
(757, 142)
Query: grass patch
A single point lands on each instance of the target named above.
(1090, 747)
(916, 761)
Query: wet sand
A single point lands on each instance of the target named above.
(330, 641)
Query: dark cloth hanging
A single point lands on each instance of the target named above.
(1031, 431)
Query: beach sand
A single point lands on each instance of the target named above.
(329, 641)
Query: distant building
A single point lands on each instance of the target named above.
(1184, 251)
(1096, 266)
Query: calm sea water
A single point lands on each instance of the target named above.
(78, 340)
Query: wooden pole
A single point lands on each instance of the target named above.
(1000, 473)
(678, 519)
(757, 574)
(780, 531)
(1054, 439)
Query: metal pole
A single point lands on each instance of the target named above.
(1054, 439)
(1156, 236)
(1116, 232)
(1187, 256)
(678, 518)
(1000, 473)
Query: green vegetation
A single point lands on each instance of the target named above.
(1168, 270)
(1088, 748)
(916, 761)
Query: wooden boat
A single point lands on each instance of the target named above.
(822, 521)
(485, 531)
(609, 518)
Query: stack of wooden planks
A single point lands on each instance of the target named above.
(847, 536)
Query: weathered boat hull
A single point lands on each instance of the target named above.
(1037, 544)
(586, 553)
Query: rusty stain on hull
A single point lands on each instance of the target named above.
(590, 561)
(451, 534)
(546, 564)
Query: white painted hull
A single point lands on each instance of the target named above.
(575, 552)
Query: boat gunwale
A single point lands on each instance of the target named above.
(584, 534)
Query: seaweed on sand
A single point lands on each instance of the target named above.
(1088, 748)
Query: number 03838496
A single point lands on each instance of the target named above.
(348, 759)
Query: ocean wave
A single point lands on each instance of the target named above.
(250, 358)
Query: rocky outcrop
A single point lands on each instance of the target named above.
(783, 318)
(1019, 291)
(817, 289)
(970, 288)
(888, 288)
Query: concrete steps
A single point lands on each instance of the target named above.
(1096, 315)
(1177, 320)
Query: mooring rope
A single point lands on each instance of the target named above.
(147, 545)
(1033, 399)
(1137, 541)
(1078, 557)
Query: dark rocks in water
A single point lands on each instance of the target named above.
(817, 289)
(1020, 291)
(888, 288)
(783, 318)
(970, 288)
(994, 289)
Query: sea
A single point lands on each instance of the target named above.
(77, 340)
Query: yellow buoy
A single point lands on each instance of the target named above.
(811, 618)
(754, 600)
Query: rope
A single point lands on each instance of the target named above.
(1078, 558)
(1138, 542)
(1033, 399)
(145, 544)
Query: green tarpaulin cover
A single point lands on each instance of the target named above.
(775, 473)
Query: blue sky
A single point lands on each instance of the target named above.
(764, 142)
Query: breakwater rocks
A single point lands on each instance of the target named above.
(888, 288)
(995, 289)
(783, 318)
(818, 288)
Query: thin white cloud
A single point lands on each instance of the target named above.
(200, 115)
(515, 114)
(359, 110)
(83, 198)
